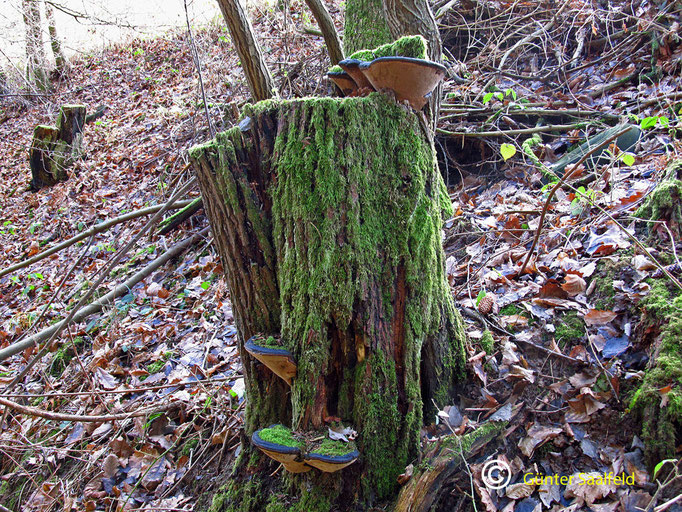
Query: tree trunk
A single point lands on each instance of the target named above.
(55, 44)
(324, 21)
(365, 26)
(36, 72)
(250, 55)
(327, 215)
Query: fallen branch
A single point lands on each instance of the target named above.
(520, 131)
(97, 228)
(34, 411)
(109, 298)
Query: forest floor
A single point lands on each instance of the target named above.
(569, 346)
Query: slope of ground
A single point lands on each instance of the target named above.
(566, 351)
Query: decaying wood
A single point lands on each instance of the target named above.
(449, 456)
(55, 148)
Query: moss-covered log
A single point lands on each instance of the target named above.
(658, 401)
(328, 212)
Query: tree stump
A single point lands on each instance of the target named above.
(54, 148)
(327, 215)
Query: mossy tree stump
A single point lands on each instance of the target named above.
(54, 148)
(327, 215)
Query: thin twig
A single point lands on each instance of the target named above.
(55, 416)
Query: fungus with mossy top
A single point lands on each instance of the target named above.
(270, 351)
(331, 455)
(279, 443)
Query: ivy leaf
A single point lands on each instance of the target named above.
(507, 151)
(628, 159)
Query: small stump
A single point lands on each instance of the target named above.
(55, 148)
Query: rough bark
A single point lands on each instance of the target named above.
(365, 26)
(36, 72)
(44, 170)
(324, 21)
(54, 148)
(250, 54)
(55, 44)
(327, 216)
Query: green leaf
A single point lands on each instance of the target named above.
(664, 121)
(480, 296)
(499, 95)
(487, 97)
(648, 122)
(507, 151)
(661, 464)
(205, 285)
(628, 159)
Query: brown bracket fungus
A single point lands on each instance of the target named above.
(332, 456)
(344, 82)
(278, 443)
(411, 79)
(352, 67)
(268, 352)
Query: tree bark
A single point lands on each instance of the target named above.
(324, 21)
(365, 26)
(250, 54)
(55, 44)
(36, 72)
(54, 148)
(327, 215)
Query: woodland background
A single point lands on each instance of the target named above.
(599, 292)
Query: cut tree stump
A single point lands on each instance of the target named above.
(327, 215)
(55, 148)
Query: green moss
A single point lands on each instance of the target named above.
(189, 446)
(279, 434)
(487, 342)
(156, 366)
(569, 329)
(335, 69)
(348, 216)
(333, 448)
(239, 497)
(407, 46)
(661, 424)
(664, 203)
(510, 309)
(269, 342)
(365, 25)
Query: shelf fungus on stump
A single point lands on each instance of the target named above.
(411, 79)
(331, 456)
(343, 81)
(270, 352)
(278, 443)
(352, 67)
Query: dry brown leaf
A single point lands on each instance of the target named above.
(589, 487)
(598, 317)
(574, 285)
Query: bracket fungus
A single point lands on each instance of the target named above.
(344, 82)
(269, 352)
(411, 79)
(278, 443)
(352, 67)
(331, 456)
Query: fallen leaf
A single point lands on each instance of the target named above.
(599, 317)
